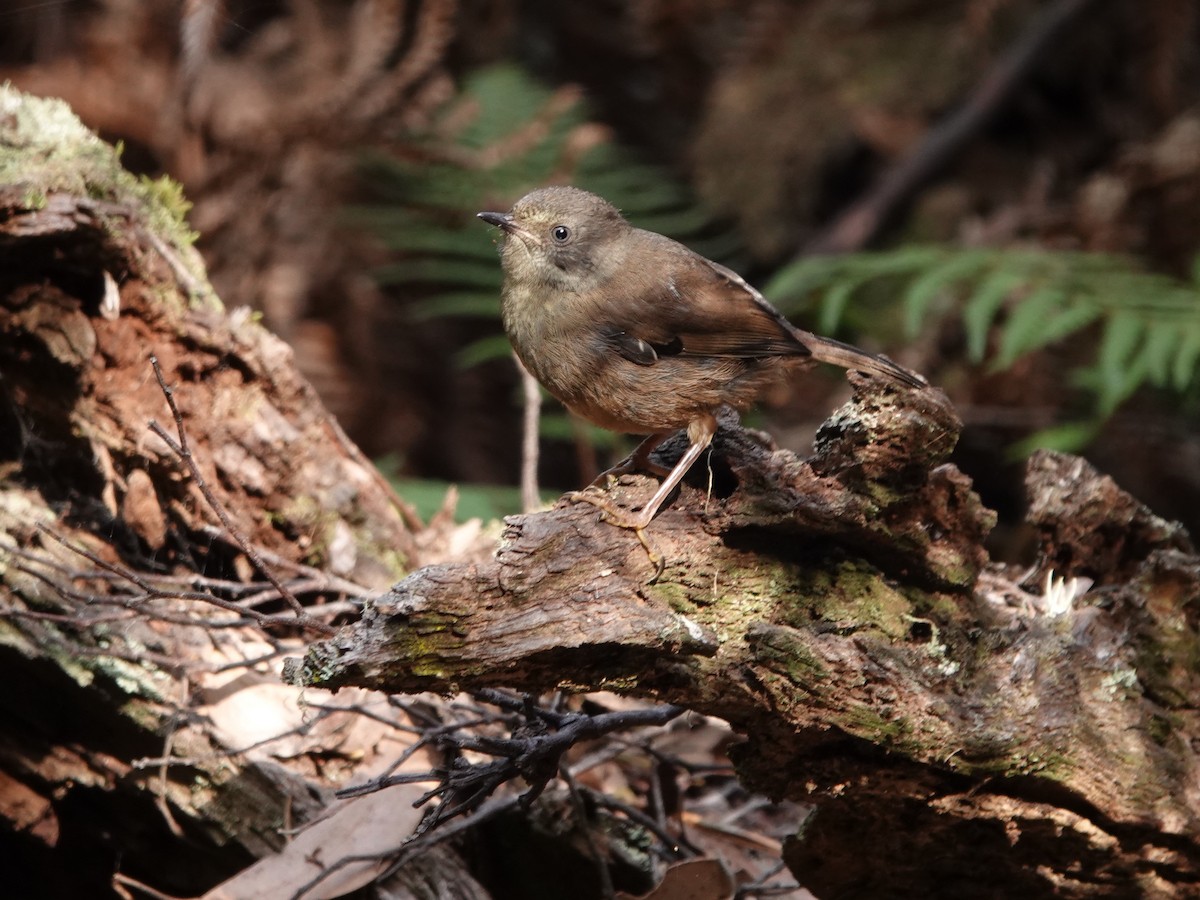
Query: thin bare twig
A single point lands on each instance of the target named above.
(386, 778)
(674, 846)
(183, 451)
(164, 770)
(602, 873)
(329, 581)
(411, 520)
(152, 592)
(760, 888)
(120, 882)
(412, 847)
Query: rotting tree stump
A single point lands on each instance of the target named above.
(101, 680)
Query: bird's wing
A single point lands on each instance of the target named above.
(698, 308)
(701, 309)
(722, 315)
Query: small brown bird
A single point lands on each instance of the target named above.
(634, 332)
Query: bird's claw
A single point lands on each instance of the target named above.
(622, 518)
(604, 480)
(628, 466)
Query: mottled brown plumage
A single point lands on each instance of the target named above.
(634, 332)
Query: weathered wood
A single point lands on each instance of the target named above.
(115, 754)
(568, 594)
(842, 613)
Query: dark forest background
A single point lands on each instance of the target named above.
(1002, 194)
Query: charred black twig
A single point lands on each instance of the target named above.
(532, 753)
(539, 737)
(387, 778)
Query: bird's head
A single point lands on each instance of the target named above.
(561, 236)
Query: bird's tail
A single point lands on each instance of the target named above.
(848, 357)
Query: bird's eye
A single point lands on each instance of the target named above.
(560, 233)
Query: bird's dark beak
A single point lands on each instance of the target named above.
(500, 220)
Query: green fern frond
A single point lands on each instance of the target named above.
(1067, 438)
(1013, 302)
(982, 307)
(469, 304)
(561, 426)
(440, 270)
(934, 284)
(486, 349)
(504, 135)
(488, 502)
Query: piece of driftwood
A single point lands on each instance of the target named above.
(977, 738)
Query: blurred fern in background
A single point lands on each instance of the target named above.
(1014, 301)
(504, 135)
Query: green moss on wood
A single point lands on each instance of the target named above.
(46, 150)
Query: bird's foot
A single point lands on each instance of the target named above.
(629, 466)
(635, 521)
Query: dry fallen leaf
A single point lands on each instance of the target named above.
(368, 828)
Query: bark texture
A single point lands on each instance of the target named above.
(841, 611)
(118, 751)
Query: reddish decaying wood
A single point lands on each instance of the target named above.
(277, 461)
(140, 734)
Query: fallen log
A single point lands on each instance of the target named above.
(145, 729)
(841, 612)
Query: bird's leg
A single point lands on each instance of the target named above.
(637, 461)
(700, 432)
